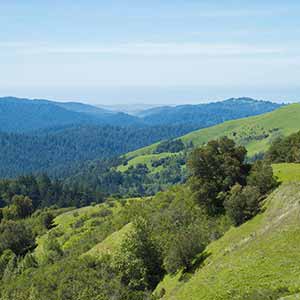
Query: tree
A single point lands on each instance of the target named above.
(285, 149)
(139, 262)
(52, 249)
(242, 203)
(23, 205)
(6, 256)
(17, 236)
(47, 219)
(214, 169)
(262, 177)
(183, 247)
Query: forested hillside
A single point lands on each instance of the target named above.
(165, 181)
(24, 115)
(256, 261)
(59, 151)
(205, 115)
(67, 134)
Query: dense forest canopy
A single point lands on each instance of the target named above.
(64, 148)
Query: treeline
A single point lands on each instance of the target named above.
(42, 191)
(60, 151)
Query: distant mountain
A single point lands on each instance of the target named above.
(50, 136)
(24, 115)
(204, 115)
(133, 109)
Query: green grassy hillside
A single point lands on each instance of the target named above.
(287, 172)
(255, 133)
(78, 225)
(92, 230)
(111, 244)
(256, 261)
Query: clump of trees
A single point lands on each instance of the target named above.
(172, 146)
(222, 181)
(285, 149)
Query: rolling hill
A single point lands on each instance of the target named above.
(255, 133)
(71, 133)
(24, 115)
(63, 148)
(209, 114)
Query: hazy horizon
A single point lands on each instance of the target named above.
(155, 96)
(158, 52)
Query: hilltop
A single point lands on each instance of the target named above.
(207, 114)
(19, 115)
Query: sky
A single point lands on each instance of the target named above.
(155, 52)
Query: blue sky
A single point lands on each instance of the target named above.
(150, 51)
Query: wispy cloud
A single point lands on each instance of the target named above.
(158, 49)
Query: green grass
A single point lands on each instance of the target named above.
(111, 244)
(147, 159)
(72, 226)
(287, 172)
(255, 133)
(94, 229)
(256, 261)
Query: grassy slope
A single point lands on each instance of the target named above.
(287, 172)
(112, 243)
(145, 159)
(68, 234)
(102, 225)
(285, 120)
(250, 262)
